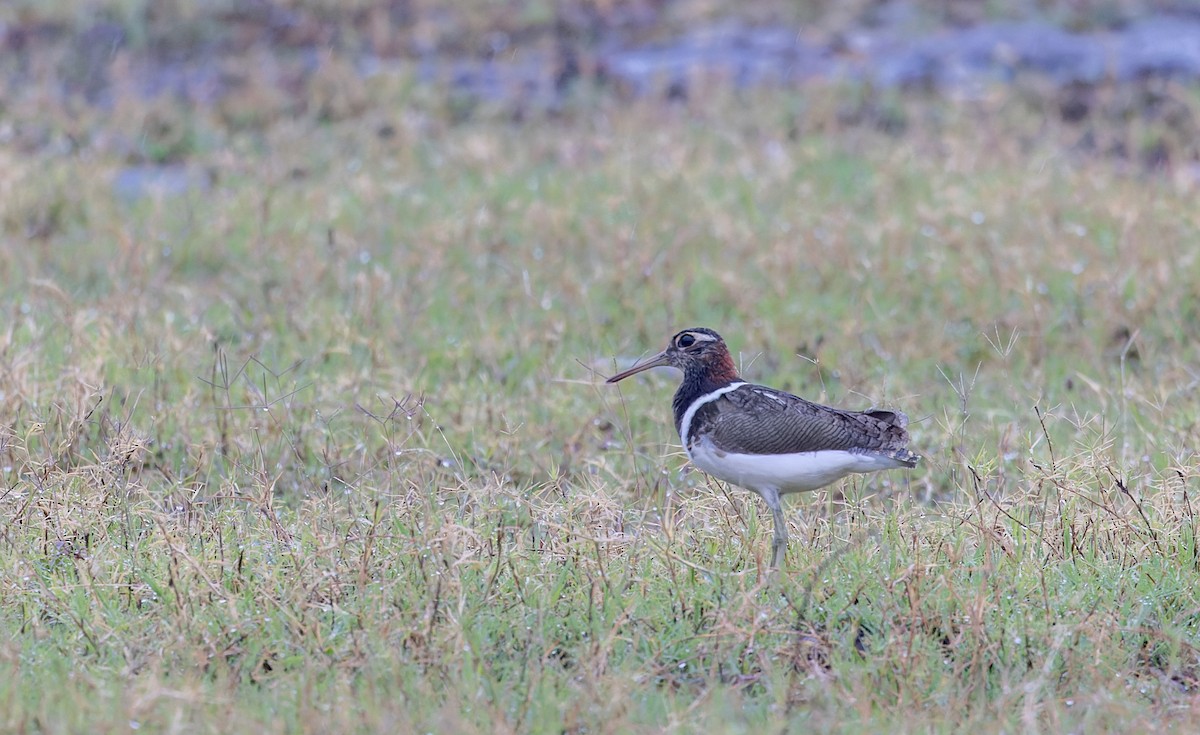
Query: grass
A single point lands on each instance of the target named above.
(322, 445)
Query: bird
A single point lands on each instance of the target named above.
(766, 440)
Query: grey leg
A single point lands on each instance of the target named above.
(779, 543)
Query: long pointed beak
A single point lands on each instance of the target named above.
(658, 360)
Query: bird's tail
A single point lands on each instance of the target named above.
(905, 457)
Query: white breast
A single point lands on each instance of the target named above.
(787, 473)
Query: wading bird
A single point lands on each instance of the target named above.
(766, 440)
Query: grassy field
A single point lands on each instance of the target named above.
(321, 444)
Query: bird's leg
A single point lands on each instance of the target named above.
(780, 540)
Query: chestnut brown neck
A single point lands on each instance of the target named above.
(702, 376)
(718, 368)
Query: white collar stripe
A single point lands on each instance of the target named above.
(686, 424)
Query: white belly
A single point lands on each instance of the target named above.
(787, 473)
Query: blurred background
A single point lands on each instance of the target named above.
(149, 65)
(308, 305)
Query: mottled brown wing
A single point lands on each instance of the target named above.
(754, 419)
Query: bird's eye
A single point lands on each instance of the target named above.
(686, 341)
